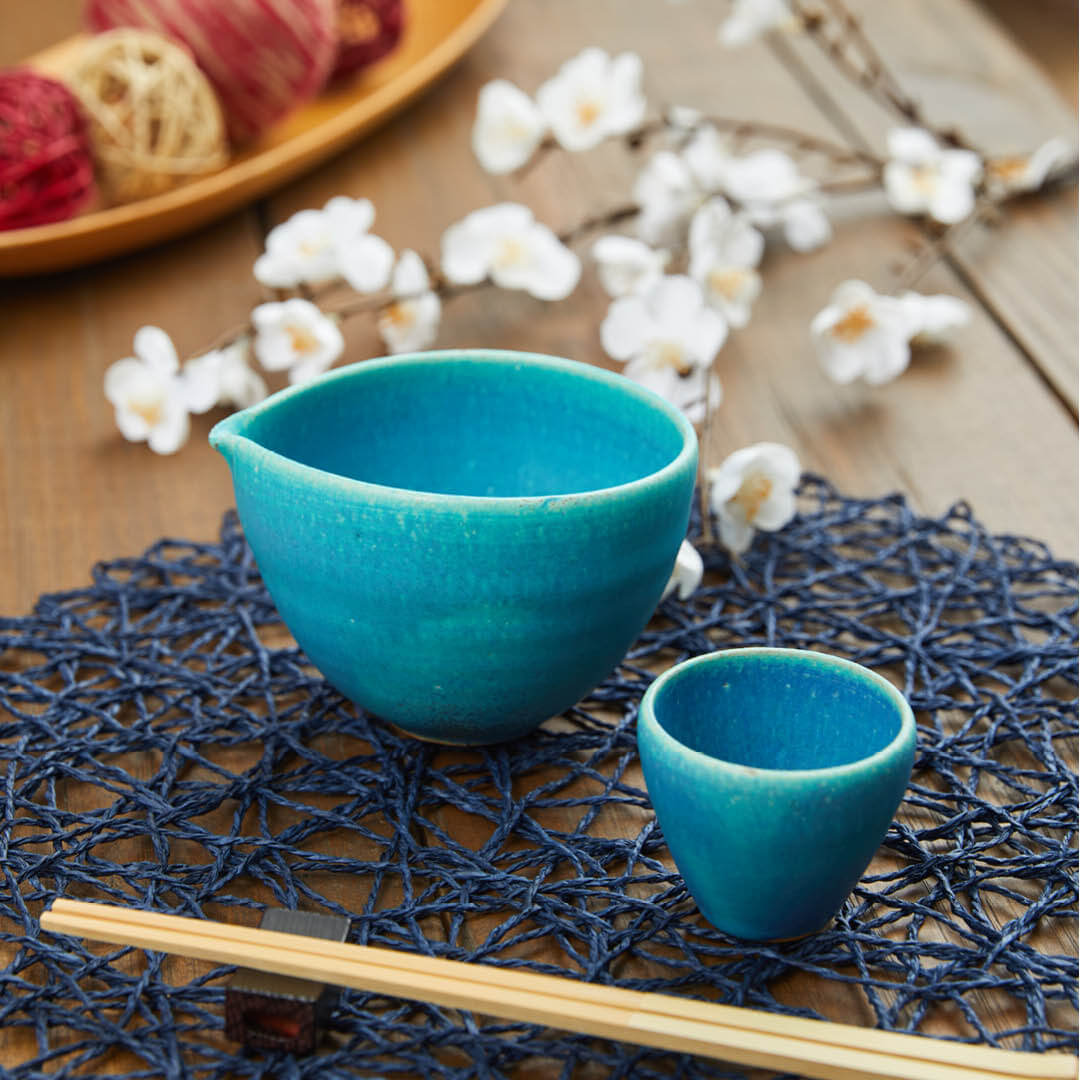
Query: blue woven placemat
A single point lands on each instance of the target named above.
(162, 743)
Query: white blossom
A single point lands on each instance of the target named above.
(626, 265)
(861, 333)
(667, 337)
(708, 155)
(934, 320)
(768, 185)
(922, 177)
(592, 97)
(667, 193)
(687, 573)
(223, 377)
(411, 322)
(724, 251)
(693, 391)
(508, 128)
(750, 19)
(754, 488)
(150, 399)
(671, 187)
(507, 244)
(314, 246)
(1018, 173)
(296, 336)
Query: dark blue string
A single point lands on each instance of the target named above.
(129, 696)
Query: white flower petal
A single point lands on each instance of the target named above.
(912, 145)
(753, 489)
(626, 265)
(133, 426)
(155, 349)
(705, 335)
(707, 155)
(411, 325)
(410, 275)
(687, 573)
(749, 19)
(934, 320)
(735, 534)
(557, 269)
(508, 128)
(277, 271)
(675, 300)
(952, 201)
(805, 225)
(626, 327)
(365, 262)
(469, 247)
(667, 194)
(592, 97)
(201, 380)
(349, 215)
(172, 432)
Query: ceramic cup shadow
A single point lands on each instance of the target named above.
(775, 774)
(464, 543)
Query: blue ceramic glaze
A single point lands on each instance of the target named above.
(775, 774)
(464, 543)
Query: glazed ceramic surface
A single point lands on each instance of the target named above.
(775, 774)
(464, 543)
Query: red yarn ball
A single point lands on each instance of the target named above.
(367, 31)
(263, 57)
(46, 171)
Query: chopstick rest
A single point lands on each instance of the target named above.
(267, 1011)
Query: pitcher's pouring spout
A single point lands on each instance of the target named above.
(229, 439)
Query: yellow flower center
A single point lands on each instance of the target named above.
(301, 339)
(753, 491)
(150, 411)
(588, 112)
(853, 325)
(512, 252)
(726, 283)
(400, 314)
(662, 354)
(925, 178)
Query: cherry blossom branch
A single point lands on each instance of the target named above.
(873, 75)
(795, 141)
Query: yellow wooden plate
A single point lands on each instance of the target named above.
(437, 33)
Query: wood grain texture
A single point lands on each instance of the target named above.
(978, 421)
(948, 58)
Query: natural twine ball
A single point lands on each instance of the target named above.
(154, 119)
(263, 57)
(46, 172)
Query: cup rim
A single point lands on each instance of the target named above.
(905, 735)
(232, 428)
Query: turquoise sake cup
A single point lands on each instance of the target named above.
(775, 774)
(464, 543)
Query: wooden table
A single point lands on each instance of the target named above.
(992, 421)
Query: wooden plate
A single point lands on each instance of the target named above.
(437, 33)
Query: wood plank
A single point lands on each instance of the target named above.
(954, 60)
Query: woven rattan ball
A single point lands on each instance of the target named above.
(263, 57)
(154, 119)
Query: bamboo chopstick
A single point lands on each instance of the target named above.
(815, 1048)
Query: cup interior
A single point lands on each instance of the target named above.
(474, 425)
(778, 710)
